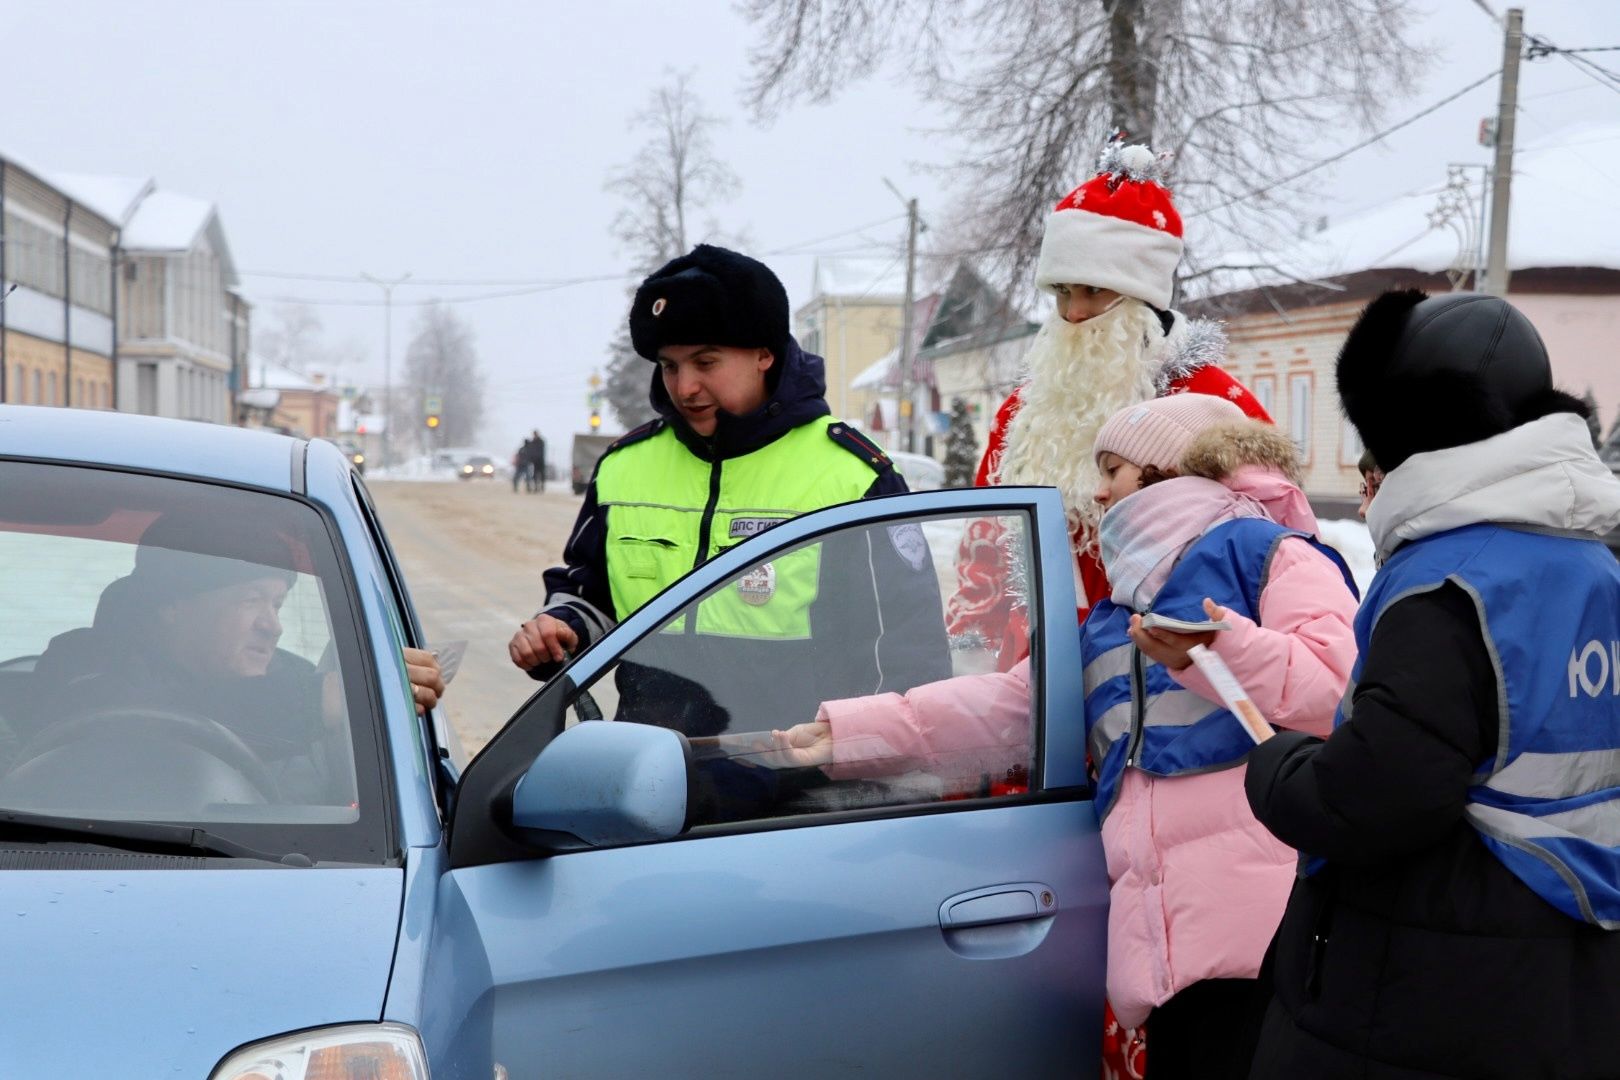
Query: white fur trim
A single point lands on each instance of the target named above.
(1082, 248)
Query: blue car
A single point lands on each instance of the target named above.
(230, 848)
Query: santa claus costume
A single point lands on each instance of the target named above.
(1118, 231)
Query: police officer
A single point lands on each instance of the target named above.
(1462, 824)
(743, 440)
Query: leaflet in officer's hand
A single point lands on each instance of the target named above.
(1154, 621)
(1233, 696)
(449, 657)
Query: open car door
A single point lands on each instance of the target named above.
(932, 903)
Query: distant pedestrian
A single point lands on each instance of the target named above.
(521, 465)
(1456, 912)
(535, 475)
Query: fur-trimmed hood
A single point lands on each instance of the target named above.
(1254, 459)
(1189, 344)
(1219, 451)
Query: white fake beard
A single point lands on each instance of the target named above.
(1076, 377)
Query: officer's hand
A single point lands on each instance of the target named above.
(427, 683)
(803, 745)
(542, 640)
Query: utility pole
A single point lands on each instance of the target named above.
(908, 345)
(388, 288)
(1496, 268)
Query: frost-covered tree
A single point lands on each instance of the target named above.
(441, 362)
(1242, 92)
(675, 175)
(961, 448)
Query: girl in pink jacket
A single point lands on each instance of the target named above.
(1204, 517)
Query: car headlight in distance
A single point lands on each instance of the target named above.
(466, 468)
(489, 468)
(346, 1052)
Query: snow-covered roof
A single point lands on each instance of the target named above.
(113, 197)
(267, 373)
(167, 221)
(860, 278)
(1563, 214)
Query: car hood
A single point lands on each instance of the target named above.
(158, 973)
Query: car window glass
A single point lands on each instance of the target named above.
(856, 619)
(178, 651)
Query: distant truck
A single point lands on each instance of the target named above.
(588, 450)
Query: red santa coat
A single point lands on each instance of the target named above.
(983, 605)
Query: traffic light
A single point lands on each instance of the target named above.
(596, 421)
(432, 420)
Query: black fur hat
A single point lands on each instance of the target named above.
(1421, 373)
(710, 297)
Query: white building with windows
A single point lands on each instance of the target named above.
(57, 254)
(183, 328)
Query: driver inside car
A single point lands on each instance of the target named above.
(199, 634)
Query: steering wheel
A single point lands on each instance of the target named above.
(198, 732)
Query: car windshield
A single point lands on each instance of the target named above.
(183, 652)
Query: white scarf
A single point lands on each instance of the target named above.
(1543, 473)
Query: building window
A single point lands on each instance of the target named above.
(1349, 444)
(1299, 413)
(19, 384)
(50, 385)
(39, 391)
(1265, 392)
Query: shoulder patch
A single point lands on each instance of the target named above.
(635, 435)
(859, 445)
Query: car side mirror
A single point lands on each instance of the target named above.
(605, 783)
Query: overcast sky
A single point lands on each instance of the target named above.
(471, 141)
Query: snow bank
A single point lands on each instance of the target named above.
(1351, 540)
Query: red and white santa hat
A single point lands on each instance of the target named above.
(1119, 230)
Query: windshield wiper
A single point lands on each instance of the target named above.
(139, 836)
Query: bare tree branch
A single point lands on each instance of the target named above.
(1241, 90)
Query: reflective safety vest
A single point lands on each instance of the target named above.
(1548, 804)
(668, 511)
(1137, 716)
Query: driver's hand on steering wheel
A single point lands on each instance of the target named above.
(427, 683)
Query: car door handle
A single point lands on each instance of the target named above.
(998, 922)
(997, 904)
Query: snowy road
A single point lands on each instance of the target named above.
(473, 554)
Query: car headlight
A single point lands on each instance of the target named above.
(346, 1052)
(359, 459)
(489, 468)
(466, 468)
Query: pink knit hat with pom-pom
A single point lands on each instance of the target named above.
(1158, 432)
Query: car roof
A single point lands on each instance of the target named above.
(150, 444)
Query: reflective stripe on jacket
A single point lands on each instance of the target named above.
(1137, 716)
(668, 510)
(1548, 804)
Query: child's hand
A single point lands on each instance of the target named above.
(1169, 648)
(803, 745)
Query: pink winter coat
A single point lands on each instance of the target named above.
(1197, 885)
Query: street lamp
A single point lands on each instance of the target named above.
(388, 352)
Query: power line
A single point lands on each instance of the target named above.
(527, 286)
(1341, 155)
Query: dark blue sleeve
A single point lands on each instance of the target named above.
(577, 592)
(888, 482)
